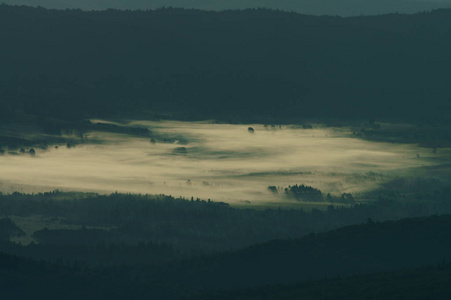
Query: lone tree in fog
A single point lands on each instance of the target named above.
(250, 129)
(273, 189)
(347, 198)
(180, 150)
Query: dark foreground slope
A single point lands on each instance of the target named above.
(25, 279)
(368, 248)
(421, 283)
(233, 65)
(22, 278)
(354, 250)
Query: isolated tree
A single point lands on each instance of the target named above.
(347, 198)
(273, 189)
(181, 150)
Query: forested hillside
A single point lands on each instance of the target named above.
(227, 65)
(397, 247)
(158, 228)
(422, 283)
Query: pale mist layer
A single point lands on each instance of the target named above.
(222, 162)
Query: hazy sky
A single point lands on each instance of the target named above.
(320, 7)
(219, 161)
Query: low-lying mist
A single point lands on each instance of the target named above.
(223, 162)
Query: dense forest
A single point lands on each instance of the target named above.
(255, 64)
(422, 283)
(346, 252)
(127, 228)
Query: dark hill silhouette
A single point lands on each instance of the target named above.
(354, 250)
(359, 249)
(422, 283)
(231, 65)
(316, 7)
(22, 278)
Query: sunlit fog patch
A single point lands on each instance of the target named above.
(222, 162)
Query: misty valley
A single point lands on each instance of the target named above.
(229, 154)
(158, 193)
(221, 162)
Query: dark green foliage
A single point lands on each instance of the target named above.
(14, 142)
(83, 236)
(195, 227)
(347, 198)
(8, 230)
(429, 134)
(189, 225)
(99, 253)
(358, 249)
(180, 150)
(22, 279)
(421, 283)
(251, 65)
(273, 189)
(303, 192)
(351, 250)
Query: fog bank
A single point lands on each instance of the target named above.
(218, 161)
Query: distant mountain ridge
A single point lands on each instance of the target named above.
(315, 7)
(235, 65)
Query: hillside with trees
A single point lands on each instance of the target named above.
(254, 64)
(282, 269)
